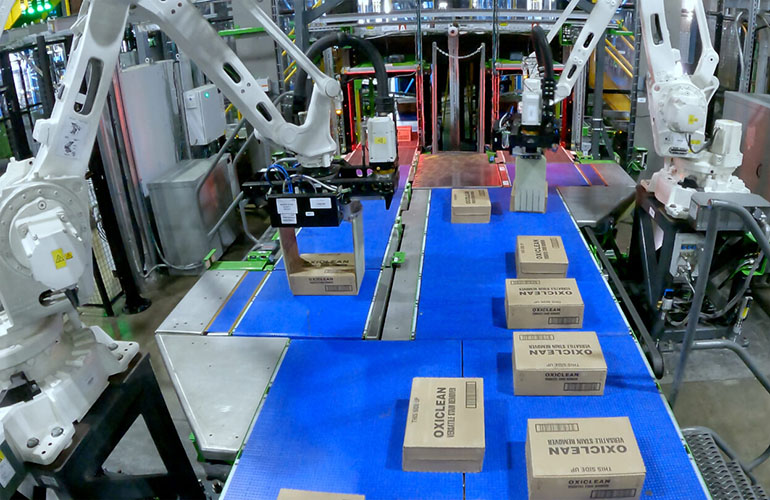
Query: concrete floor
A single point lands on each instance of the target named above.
(721, 393)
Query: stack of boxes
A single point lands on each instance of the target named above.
(541, 296)
(566, 458)
(579, 458)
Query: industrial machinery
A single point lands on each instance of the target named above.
(533, 128)
(53, 368)
(679, 107)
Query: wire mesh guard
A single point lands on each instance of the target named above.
(102, 255)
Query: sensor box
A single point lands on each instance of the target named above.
(583, 458)
(543, 304)
(540, 257)
(445, 425)
(471, 206)
(558, 364)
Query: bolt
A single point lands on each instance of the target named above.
(32, 442)
(120, 357)
(42, 205)
(57, 431)
(34, 237)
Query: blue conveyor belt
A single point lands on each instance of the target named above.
(228, 315)
(334, 421)
(463, 280)
(335, 416)
(630, 391)
(277, 312)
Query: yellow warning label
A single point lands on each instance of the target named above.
(692, 119)
(380, 140)
(2, 456)
(59, 260)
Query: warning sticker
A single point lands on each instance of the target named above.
(288, 218)
(380, 140)
(59, 259)
(72, 141)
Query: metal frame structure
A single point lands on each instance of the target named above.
(78, 469)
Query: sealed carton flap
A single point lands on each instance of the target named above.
(471, 202)
(537, 253)
(289, 494)
(556, 291)
(558, 445)
(446, 413)
(553, 350)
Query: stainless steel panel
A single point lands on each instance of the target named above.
(184, 219)
(456, 169)
(199, 307)
(611, 173)
(221, 383)
(148, 99)
(402, 306)
(753, 111)
(589, 205)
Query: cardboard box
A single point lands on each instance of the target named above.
(471, 206)
(540, 257)
(404, 133)
(324, 273)
(287, 494)
(543, 303)
(445, 425)
(583, 458)
(558, 364)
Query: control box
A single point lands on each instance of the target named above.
(381, 137)
(684, 259)
(204, 109)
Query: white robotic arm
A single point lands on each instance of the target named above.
(45, 234)
(679, 109)
(531, 104)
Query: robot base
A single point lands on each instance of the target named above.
(71, 374)
(676, 198)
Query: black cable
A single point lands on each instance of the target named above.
(543, 51)
(384, 103)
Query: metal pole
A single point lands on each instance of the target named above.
(420, 98)
(44, 63)
(300, 26)
(748, 47)
(434, 99)
(482, 100)
(17, 134)
(704, 266)
(596, 121)
(453, 42)
(636, 83)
